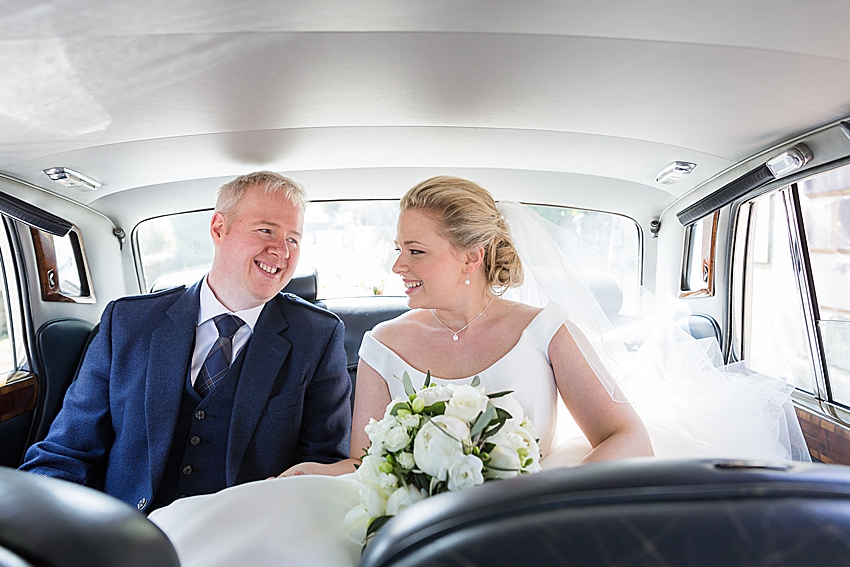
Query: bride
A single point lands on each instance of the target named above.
(457, 257)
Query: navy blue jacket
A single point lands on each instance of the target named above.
(118, 418)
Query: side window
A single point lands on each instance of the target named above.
(772, 324)
(62, 270)
(825, 203)
(698, 258)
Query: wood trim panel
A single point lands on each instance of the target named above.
(828, 441)
(48, 271)
(18, 396)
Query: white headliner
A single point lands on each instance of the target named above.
(600, 95)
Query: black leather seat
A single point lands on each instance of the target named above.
(52, 523)
(59, 348)
(631, 512)
(360, 314)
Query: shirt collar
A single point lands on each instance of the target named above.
(211, 306)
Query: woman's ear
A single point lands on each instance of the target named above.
(474, 258)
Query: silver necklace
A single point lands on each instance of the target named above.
(454, 333)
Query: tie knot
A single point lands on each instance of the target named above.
(227, 324)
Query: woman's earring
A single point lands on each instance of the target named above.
(467, 278)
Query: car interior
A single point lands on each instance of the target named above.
(702, 152)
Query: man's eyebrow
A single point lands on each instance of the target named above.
(277, 225)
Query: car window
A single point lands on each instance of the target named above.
(825, 203)
(351, 246)
(774, 340)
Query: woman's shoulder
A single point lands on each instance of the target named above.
(407, 322)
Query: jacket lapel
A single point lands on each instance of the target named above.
(168, 363)
(267, 350)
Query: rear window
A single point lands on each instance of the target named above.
(351, 246)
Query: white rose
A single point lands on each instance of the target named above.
(388, 481)
(402, 498)
(466, 403)
(435, 393)
(437, 443)
(504, 463)
(355, 524)
(377, 432)
(396, 438)
(369, 472)
(406, 460)
(465, 472)
(510, 405)
(373, 500)
(410, 420)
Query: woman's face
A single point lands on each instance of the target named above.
(433, 270)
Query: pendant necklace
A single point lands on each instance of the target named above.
(455, 333)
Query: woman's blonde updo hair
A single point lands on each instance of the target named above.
(469, 219)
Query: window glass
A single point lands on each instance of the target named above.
(774, 328)
(601, 244)
(174, 244)
(7, 359)
(66, 266)
(825, 202)
(698, 262)
(351, 246)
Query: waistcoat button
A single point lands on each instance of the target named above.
(187, 470)
(194, 441)
(199, 415)
(141, 505)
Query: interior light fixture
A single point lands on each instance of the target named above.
(71, 178)
(789, 161)
(673, 172)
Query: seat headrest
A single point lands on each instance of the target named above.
(304, 285)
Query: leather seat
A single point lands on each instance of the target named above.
(52, 523)
(59, 348)
(631, 512)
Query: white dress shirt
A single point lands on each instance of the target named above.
(206, 332)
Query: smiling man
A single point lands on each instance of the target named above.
(192, 390)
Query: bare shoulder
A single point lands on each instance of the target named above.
(405, 324)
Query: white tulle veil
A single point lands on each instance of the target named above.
(692, 405)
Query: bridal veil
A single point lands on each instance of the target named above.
(692, 404)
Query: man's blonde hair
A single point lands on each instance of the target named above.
(230, 194)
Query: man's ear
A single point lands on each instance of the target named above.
(474, 258)
(218, 227)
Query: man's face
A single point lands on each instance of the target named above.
(256, 255)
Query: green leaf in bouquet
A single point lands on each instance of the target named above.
(493, 430)
(376, 524)
(408, 385)
(437, 408)
(488, 447)
(495, 395)
(483, 420)
(476, 381)
(502, 414)
(399, 406)
(427, 379)
(420, 479)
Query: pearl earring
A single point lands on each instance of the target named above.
(466, 282)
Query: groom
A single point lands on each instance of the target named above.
(190, 391)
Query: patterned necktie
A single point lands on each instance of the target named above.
(221, 354)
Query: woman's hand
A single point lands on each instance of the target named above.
(333, 469)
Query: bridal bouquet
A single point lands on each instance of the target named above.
(443, 438)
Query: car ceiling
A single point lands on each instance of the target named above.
(594, 97)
